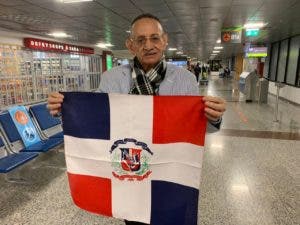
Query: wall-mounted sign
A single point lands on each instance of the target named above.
(43, 45)
(109, 62)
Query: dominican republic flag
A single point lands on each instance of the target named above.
(135, 157)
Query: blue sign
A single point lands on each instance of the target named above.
(24, 125)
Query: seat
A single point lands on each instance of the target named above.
(48, 126)
(10, 161)
(15, 140)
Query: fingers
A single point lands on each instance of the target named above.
(55, 97)
(55, 100)
(54, 112)
(213, 99)
(212, 114)
(214, 107)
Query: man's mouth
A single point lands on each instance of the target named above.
(150, 53)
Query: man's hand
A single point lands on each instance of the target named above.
(214, 107)
(55, 100)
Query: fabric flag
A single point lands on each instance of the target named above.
(135, 157)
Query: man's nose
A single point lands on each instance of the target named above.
(148, 44)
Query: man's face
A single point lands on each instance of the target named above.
(147, 42)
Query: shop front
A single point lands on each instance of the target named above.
(28, 73)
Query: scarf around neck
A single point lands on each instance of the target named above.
(147, 83)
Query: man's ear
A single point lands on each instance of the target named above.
(129, 45)
(165, 40)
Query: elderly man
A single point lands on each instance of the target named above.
(150, 74)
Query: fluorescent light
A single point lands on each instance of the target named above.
(59, 34)
(179, 53)
(216, 51)
(172, 49)
(104, 45)
(240, 188)
(128, 31)
(75, 1)
(219, 41)
(216, 146)
(254, 25)
(218, 47)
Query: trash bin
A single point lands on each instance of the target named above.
(263, 88)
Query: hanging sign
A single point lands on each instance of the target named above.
(43, 45)
(231, 35)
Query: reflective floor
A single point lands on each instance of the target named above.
(250, 174)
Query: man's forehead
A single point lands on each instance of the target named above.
(146, 26)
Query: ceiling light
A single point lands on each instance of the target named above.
(216, 51)
(219, 41)
(128, 31)
(109, 45)
(240, 188)
(101, 45)
(75, 1)
(172, 49)
(179, 53)
(104, 45)
(254, 25)
(218, 47)
(59, 34)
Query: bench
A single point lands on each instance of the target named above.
(48, 126)
(15, 140)
(10, 161)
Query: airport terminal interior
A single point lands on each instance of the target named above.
(244, 51)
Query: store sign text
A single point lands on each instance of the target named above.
(43, 45)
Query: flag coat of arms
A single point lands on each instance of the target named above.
(135, 157)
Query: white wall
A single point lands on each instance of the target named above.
(290, 93)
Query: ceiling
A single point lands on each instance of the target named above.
(193, 25)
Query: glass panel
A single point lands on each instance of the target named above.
(282, 61)
(293, 60)
(274, 59)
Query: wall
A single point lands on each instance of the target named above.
(238, 66)
(287, 92)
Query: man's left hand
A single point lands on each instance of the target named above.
(214, 108)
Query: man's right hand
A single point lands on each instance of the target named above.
(54, 103)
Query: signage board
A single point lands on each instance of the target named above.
(24, 125)
(109, 62)
(257, 52)
(231, 37)
(44, 45)
(252, 32)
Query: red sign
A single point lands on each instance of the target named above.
(42, 45)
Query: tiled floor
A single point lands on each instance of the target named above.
(248, 177)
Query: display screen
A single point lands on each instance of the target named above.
(256, 52)
(179, 63)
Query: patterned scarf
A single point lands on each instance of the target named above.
(147, 83)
